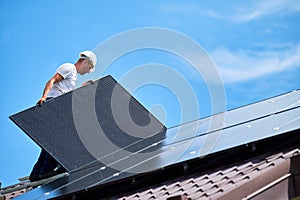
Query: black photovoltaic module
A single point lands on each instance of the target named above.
(89, 123)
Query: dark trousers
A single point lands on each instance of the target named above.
(45, 164)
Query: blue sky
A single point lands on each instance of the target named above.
(255, 46)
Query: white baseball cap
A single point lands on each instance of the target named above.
(91, 56)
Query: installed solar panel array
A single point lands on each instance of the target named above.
(156, 149)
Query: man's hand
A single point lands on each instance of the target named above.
(41, 101)
(88, 82)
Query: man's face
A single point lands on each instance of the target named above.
(85, 67)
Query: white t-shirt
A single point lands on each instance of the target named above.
(69, 73)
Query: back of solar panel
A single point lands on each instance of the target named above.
(91, 123)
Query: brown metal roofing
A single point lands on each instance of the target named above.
(273, 176)
(247, 180)
(12, 191)
(14, 194)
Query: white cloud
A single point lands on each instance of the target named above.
(212, 14)
(241, 66)
(264, 8)
(243, 11)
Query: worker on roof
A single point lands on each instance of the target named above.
(63, 81)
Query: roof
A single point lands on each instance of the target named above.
(265, 176)
(23, 186)
(242, 172)
(241, 180)
(205, 144)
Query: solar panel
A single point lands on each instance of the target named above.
(88, 123)
(234, 117)
(192, 140)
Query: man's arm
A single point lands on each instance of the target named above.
(56, 78)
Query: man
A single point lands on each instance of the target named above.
(63, 81)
